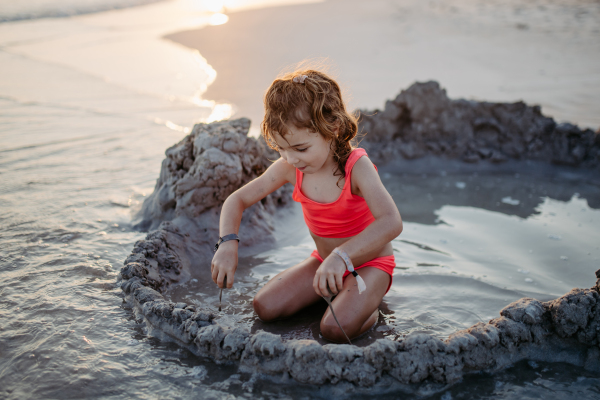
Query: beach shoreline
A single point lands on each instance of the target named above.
(542, 53)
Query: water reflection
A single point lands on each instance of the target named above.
(218, 19)
(420, 193)
(527, 379)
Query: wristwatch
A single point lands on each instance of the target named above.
(231, 236)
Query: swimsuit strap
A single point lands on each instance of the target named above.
(299, 176)
(352, 159)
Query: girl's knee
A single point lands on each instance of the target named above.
(332, 332)
(264, 308)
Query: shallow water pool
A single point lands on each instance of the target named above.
(475, 239)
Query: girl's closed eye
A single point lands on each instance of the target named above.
(302, 149)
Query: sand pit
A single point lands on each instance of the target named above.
(566, 330)
(210, 163)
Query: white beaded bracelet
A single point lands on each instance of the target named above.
(344, 256)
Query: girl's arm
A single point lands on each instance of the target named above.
(386, 227)
(224, 262)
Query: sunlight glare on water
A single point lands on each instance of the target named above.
(218, 19)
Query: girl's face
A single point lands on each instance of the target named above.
(307, 151)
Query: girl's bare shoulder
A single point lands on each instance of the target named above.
(363, 174)
(282, 172)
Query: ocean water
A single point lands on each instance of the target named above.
(32, 9)
(81, 142)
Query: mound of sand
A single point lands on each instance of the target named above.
(196, 177)
(422, 120)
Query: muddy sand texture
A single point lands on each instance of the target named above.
(215, 159)
(422, 121)
(196, 177)
(566, 329)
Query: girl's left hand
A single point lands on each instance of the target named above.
(328, 279)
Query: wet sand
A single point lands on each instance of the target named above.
(541, 52)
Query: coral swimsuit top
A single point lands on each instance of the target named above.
(347, 216)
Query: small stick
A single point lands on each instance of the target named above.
(221, 293)
(328, 300)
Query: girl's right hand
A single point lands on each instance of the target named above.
(329, 278)
(224, 263)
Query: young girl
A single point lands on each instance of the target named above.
(350, 215)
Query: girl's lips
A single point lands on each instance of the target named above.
(302, 169)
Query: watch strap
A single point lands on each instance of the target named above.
(231, 236)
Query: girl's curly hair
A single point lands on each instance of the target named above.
(316, 104)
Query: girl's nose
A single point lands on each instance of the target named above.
(288, 157)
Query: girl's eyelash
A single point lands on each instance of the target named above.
(297, 149)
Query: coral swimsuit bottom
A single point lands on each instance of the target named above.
(347, 216)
